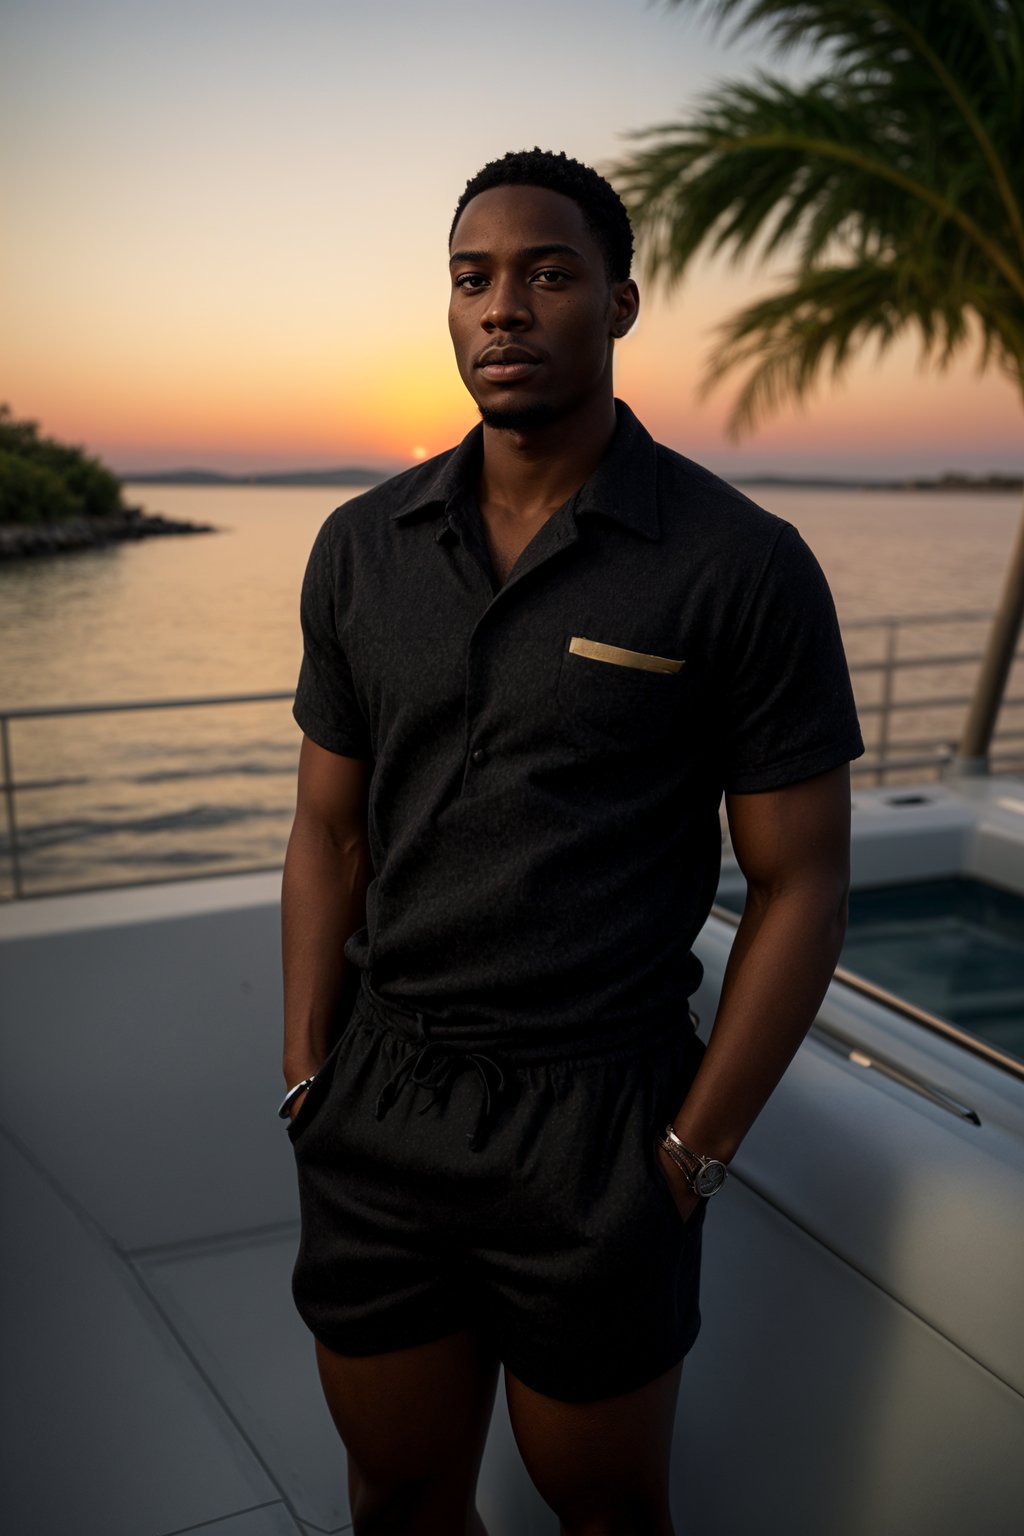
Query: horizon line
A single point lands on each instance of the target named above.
(365, 474)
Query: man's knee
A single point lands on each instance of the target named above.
(395, 1508)
(384, 1508)
(613, 1512)
(623, 1520)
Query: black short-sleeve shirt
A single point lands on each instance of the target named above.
(549, 755)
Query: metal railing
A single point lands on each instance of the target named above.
(890, 752)
(12, 787)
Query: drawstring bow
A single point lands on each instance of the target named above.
(435, 1066)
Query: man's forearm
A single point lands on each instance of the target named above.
(323, 901)
(782, 960)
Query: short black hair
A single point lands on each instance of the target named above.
(603, 209)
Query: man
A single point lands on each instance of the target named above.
(532, 666)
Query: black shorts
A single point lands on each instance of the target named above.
(451, 1180)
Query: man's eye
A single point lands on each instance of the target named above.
(550, 275)
(471, 280)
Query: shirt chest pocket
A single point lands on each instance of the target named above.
(611, 695)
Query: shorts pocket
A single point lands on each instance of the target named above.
(695, 1220)
(315, 1095)
(668, 1096)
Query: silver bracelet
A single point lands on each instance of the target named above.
(670, 1143)
(292, 1094)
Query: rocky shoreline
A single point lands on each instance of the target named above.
(22, 541)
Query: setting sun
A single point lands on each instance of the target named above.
(419, 453)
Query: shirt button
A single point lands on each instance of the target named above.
(479, 756)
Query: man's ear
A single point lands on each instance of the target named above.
(625, 307)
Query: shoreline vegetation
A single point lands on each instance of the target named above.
(951, 481)
(55, 499)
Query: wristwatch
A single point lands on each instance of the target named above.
(705, 1175)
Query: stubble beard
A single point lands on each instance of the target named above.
(516, 418)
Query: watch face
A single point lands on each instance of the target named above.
(709, 1179)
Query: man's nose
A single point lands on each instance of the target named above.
(509, 308)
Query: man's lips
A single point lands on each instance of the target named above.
(503, 365)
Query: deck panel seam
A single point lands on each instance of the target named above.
(755, 1189)
(155, 1306)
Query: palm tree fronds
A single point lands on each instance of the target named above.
(895, 177)
(814, 327)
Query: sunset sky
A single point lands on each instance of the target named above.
(224, 228)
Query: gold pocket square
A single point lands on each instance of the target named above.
(620, 657)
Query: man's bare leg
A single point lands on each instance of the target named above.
(414, 1423)
(604, 1466)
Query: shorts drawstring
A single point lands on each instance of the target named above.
(435, 1065)
(433, 1052)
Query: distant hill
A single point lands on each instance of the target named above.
(947, 482)
(346, 476)
(361, 475)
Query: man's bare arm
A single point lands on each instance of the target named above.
(793, 846)
(323, 900)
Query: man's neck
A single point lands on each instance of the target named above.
(529, 474)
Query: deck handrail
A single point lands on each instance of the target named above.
(888, 755)
(124, 706)
(10, 786)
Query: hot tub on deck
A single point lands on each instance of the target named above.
(937, 903)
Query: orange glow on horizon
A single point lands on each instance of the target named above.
(342, 394)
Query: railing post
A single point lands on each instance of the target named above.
(888, 674)
(12, 822)
(1000, 652)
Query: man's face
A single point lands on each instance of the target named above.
(532, 312)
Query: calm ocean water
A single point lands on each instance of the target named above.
(111, 798)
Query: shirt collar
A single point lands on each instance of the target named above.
(623, 487)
